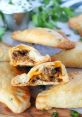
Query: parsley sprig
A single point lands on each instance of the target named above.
(49, 13)
(74, 114)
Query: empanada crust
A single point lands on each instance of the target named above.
(71, 58)
(62, 96)
(76, 24)
(4, 52)
(43, 36)
(16, 99)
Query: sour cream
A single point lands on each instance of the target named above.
(18, 6)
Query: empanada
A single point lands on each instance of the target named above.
(49, 73)
(71, 58)
(76, 23)
(16, 99)
(68, 95)
(4, 55)
(43, 36)
(24, 55)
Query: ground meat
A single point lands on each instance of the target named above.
(35, 78)
(17, 54)
(58, 69)
(49, 74)
(49, 70)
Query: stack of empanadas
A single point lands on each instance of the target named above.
(45, 71)
(14, 85)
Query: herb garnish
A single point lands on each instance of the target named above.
(49, 13)
(81, 39)
(10, 2)
(2, 31)
(54, 114)
(74, 113)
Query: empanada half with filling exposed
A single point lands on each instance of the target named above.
(49, 73)
(23, 55)
(15, 98)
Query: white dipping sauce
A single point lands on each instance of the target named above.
(18, 6)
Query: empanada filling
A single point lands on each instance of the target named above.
(48, 74)
(21, 55)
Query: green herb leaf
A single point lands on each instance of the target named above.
(49, 24)
(74, 113)
(55, 114)
(49, 13)
(10, 2)
(46, 1)
(2, 16)
(37, 20)
(81, 39)
(2, 31)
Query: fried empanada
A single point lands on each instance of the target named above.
(68, 95)
(4, 55)
(71, 58)
(16, 99)
(49, 73)
(23, 55)
(43, 36)
(76, 24)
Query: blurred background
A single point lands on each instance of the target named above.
(22, 14)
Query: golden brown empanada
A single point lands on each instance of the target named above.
(71, 58)
(49, 73)
(4, 55)
(76, 24)
(16, 99)
(43, 36)
(24, 55)
(68, 95)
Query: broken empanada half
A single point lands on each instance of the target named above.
(49, 73)
(23, 55)
(15, 98)
(43, 36)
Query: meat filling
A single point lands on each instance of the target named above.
(49, 74)
(21, 56)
